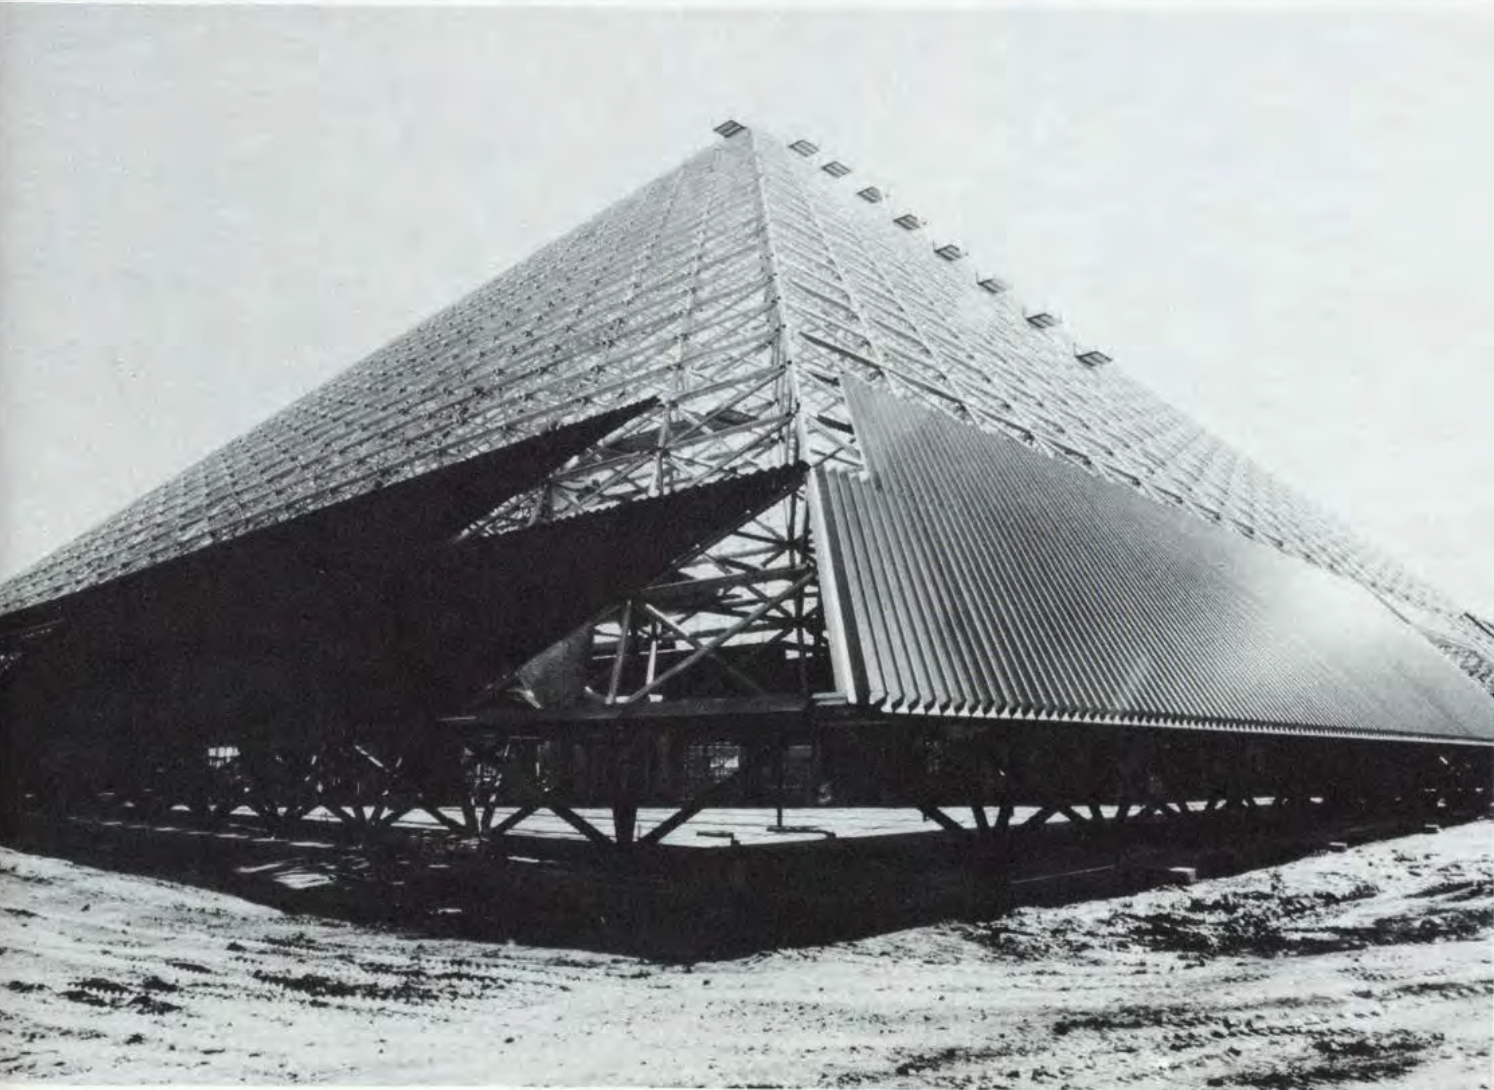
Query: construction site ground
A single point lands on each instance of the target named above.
(1373, 966)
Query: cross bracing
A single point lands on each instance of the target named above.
(738, 290)
(603, 315)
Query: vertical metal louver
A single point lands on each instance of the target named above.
(972, 575)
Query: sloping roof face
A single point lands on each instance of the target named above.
(657, 295)
(970, 574)
(738, 289)
(360, 538)
(865, 297)
(282, 638)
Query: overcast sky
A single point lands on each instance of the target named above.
(1278, 217)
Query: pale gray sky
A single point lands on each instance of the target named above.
(1279, 217)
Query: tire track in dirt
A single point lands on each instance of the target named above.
(1240, 982)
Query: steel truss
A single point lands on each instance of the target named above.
(738, 290)
(1012, 780)
(1105, 786)
(745, 258)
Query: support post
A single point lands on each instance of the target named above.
(624, 823)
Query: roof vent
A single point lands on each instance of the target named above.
(1042, 320)
(804, 147)
(949, 252)
(871, 194)
(836, 169)
(993, 285)
(1092, 358)
(729, 129)
(908, 222)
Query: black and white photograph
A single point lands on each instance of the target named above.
(747, 545)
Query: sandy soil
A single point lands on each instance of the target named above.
(1373, 966)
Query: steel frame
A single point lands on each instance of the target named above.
(1102, 783)
(738, 290)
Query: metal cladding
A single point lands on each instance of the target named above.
(972, 575)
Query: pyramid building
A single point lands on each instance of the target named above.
(749, 463)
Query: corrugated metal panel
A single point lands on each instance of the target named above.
(973, 576)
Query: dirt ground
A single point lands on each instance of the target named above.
(1373, 966)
